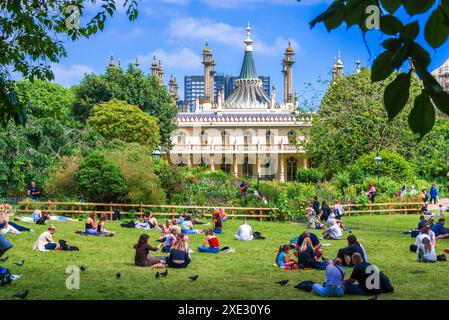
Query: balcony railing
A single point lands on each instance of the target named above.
(236, 148)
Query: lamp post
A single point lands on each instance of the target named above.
(156, 154)
(378, 159)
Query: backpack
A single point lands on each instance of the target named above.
(385, 284)
(5, 276)
(441, 257)
(129, 224)
(41, 221)
(413, 248)
(305, 285)
(116, 215)
(258, 235)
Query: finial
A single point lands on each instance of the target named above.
(358, 65)
(137, 63)
(248, 40)
(207, 42)
(119, 62)
(111, 60)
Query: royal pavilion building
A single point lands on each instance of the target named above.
(249, 133)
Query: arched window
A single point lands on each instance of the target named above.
(292, 168)
(225, 138)
(181, 137)
(247, 168)
(204, 137)
(181, 161)
(226, 167)
(292, 137)
(269, 137)
(248, 138)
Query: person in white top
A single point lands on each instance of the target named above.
(245, 232)
(334, 232)
(426, 250)
(45, 241)
(425, 232)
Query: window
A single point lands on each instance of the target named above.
(248, 138)
(292, 168)
(226, 167)
(181, 137)
(292, 137)
(247, 168)
(203, 137)
(269, 137)
(225, 138)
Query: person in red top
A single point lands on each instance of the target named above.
(211, 239)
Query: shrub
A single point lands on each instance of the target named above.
(98, 179)
(310, 175)
(61, 182)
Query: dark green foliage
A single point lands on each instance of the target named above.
(98, 179)
(309, 175)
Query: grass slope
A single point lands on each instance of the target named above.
(246, 274)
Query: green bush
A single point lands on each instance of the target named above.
(310, 175)
(98, 179)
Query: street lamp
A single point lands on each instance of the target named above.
(156, 154)
(378, 159)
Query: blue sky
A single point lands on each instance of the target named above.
(175, 30)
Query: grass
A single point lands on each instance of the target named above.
(246, 274)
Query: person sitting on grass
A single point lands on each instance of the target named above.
(5, 226)
(315, 243)
(313, 221)
(91, 225)
(440, 210)
(362, 274)
(187, 226)
(422, 222)
(35, 216)
(101, 229)
(166, 228)
(211, 239)
(217, 221)
(45, 241)
(284, 260)
(142, 257)
(5, 212)
(334, 283)
(245, 232)
(307, 256)
(333, 232)
(354, 246)
(425, 232)
(441, 232)
(170, 239)
(179, 256)
(426, 251)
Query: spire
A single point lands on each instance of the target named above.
(209, 73)
(119, 63)
(287, 70)
(357, 62)
(248, 70)
(248, 40)
(137, 64)
(111, 61)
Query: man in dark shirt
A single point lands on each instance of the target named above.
(441, 232)
(422, 222)
(316, 205)
(34, 191)
(315, 242)
(363, 275)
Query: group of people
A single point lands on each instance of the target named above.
(427, 232)
(330, 220)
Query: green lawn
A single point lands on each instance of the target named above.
(246, 274)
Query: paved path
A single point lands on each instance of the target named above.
(435, 207)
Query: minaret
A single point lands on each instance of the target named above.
(160, 72)
(111, 63)
(273, 97)
(154, 68)
(119, 63)
(358, 69)
(339, 65)
(287, 69)
(173, 89)
(137, 64)
(209, 72)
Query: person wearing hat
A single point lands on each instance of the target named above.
(45, 241)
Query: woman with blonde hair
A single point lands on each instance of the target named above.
(334, 232)
(307, 256)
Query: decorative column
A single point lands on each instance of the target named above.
(236, 166)
(212, 164)
(282, 173)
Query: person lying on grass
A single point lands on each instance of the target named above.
(142, 257)
(426, 251)
(441, 232)
(334, 232)
(284, 260)
(211, 239)
(307, 258)
(334, 283)
(45, 241)
(346, 253)
(148, 222)
(179, 256)
(187, 226)
(37, 214)
(315, 243)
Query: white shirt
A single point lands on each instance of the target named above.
(43, 239)
(428, 256)
(245, 232)
(335, 232)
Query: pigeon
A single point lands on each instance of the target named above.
(22, 294)
(374, 297)
(165, 273)
(282, 282)
(193, 278)
(118, 275)
(83, 268)
(20, 263)
(157, 275)
(4, 259)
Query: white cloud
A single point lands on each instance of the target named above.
(184, 59)
(203, 29)
(69, 75)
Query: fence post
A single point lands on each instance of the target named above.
(370, 209)
(26, 206)
(349, 209)
(203, 213)
(173, 212)
(110, 210)
(72, 207)
(260, 213)
(233, 214)
(391, 208)
(141, 211)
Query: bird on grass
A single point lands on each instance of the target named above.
(165, 273)
(4, 259)
(193, 278)
(282, 282)
(22, 295)
(83, 268)
(157, 275)
(118, 275)
(20, 263)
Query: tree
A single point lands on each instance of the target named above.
(401, 45)
(353, 122)
(30, 33)
(117, 119)
(98, 179)
(45, 99)
(132, 86)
